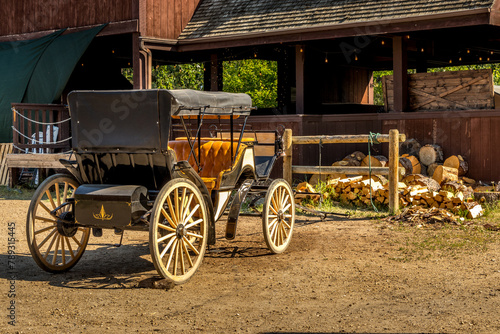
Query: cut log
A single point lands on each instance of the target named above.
(376, 161)
(475, 210)
(417, 167)
(431, 168)
(326, 177)
(458, 162)
(355, 158)
(406, 163)
(456, 187)
(431, 184)
(445, 174)
(489, 197)
(468, 180)
(430, 154)
(410, 146)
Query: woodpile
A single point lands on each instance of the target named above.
(431, 183)
(418, 216)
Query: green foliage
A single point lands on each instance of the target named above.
(257, 78)
(182, 76)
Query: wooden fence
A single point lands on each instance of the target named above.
(393, 170)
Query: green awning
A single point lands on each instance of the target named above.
(36, 71)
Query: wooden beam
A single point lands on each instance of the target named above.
(339, 139)
(213, 74)
(394, 171)
(299, 79)
(353, 170)
(138, 63)
(400, 67)
(36, 160)
(288, 154)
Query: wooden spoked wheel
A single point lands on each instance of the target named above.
(278, 216)
(55, 242)
(178, 231)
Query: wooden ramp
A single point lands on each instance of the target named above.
(5, 149)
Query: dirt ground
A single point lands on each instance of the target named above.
(338, 276)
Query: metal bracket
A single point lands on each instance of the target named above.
(234, 211)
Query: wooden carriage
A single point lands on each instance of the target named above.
(130, 173)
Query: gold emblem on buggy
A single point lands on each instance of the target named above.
(102, 215)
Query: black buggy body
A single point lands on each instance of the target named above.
(133, 172)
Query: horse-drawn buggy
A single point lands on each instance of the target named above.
(133, 171)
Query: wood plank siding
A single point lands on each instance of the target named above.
(472, 134)
(28, 16)
(167, 18)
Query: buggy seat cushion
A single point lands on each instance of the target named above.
(215, 158)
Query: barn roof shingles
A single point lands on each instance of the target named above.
(231, 17)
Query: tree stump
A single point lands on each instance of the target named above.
(458, 162)
(430, 154)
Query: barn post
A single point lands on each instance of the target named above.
(393, 171)
(299, 79)
(287, 158)
(212, 80)
(400, 67)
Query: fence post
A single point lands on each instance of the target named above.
(393, 171)
(287, 158)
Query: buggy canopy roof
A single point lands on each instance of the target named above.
(139, 120)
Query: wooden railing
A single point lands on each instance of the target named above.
(40, 128)
(393, 170)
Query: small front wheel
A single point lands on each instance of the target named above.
(56, 243)
(178, 231)
(278, 216)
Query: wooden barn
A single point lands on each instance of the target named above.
(326, 52)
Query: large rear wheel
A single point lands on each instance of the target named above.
(56, 243)
(178, 231)
(278, 216)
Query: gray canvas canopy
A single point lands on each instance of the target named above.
(139, 120)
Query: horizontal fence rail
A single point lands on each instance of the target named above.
(392, 171)
(40, 128)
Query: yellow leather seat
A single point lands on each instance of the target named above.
(215, 158)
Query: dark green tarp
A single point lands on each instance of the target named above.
(36, 71)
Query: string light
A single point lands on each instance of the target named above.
(451, 61)
(407, 36)
(468, 50)
(422, 50)
(326, 58)
(383, 42)
(301, 50)
(460, 59)
(356, 57)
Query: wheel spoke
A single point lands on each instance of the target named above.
(194, 223)
(176, 200)
(273, 232)
(63, 251)
(287, 225)
(281, 192)
(167, 217)
(192, 212)
(275, 205)
(49, 196)
(186, 241)
(171, 209)
(176, 259)
(77, 242)
(46, 219)
(170, 235)
(188, 204)
(171, 253)
(272, 216)
(181, 255)
(287, 197)
(273, 209)
(69, 248)
(284, 230)
(165, 227)
(194, 235)
(182, 208)
(58, 194)
(184, 248)
(287, 207)
(47, 209)
(45, 229)
(56, 250)
(271, 224)
(47, 238)
(167, 247)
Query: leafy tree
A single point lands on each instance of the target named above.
(182, 76)
(257, 78)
